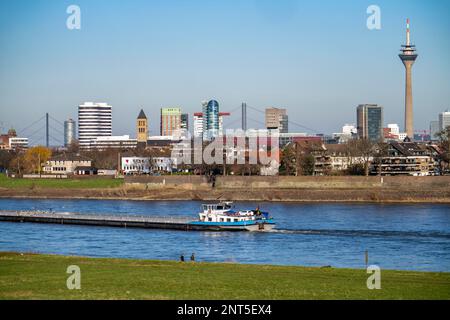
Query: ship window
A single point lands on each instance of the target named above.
(210, 219)
(228, 220)
(235, 220)
(221, 219)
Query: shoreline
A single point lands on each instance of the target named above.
(295, 195)
(343, 201)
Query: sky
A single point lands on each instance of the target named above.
(315, 58)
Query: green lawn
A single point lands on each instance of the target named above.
(44, 277)
(89, 183)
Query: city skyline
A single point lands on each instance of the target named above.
(299, 77)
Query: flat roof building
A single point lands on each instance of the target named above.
(370, 122)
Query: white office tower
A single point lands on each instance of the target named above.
(444, 120)
(94, 120)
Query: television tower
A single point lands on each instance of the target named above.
(408, 56)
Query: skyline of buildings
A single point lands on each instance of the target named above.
(95, 119)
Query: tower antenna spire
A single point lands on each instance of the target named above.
(408, 40)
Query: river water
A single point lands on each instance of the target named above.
(397, 236)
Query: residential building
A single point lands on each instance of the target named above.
(94, 120)
(65, 164)
(146, 165)
(405, 158)
(370, 122)
(170, 121)
(17, 143)
(69, 132)
(4, 139)
(135, 165)
(277, 119)
(142, 128)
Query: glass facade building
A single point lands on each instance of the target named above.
(370, 122)
(210, 120)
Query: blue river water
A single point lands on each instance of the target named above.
(397, 236)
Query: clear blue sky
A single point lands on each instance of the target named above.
(315, 58)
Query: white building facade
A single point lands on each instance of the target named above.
(94, 120)
(444, 120)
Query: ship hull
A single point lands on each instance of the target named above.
(253, 226)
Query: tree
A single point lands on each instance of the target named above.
(307, 164)
(299, 158)
(74, 147)
(6, 157)
(35, 157)
(444, 145)
(363, 149)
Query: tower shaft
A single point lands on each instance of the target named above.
(409, 124)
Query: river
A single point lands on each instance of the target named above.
(397, 236)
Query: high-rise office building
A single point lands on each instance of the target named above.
(370, 122)
(210, 120)
(277, 119)
(434, 129)
(198, 123)
(408, 56)
(142, 128)
(170, 121)
(444, 120)
(94, 120)
(69, 132)
(185, 121)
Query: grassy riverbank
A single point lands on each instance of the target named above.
(276, 189)
(30, 276)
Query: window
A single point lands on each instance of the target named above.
(209, 219)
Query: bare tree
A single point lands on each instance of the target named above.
(363, 149)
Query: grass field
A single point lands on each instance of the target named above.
(87, 183)
(28, 276)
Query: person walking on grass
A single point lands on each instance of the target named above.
(192, 257)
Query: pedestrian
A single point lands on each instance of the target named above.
(192, 257)
(182, 258)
